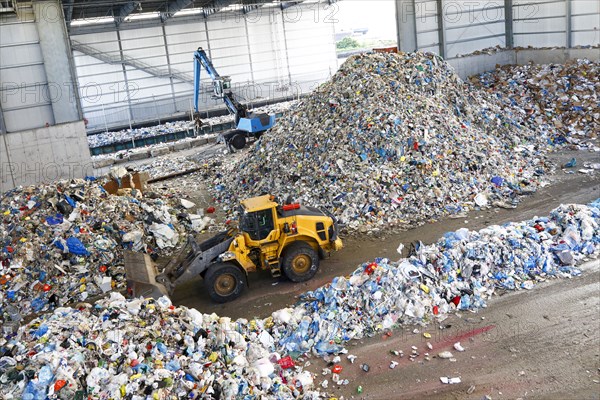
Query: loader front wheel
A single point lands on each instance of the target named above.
(300, 262)
(225, 282)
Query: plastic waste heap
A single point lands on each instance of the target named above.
(392, 140)
(561, 98)
(137, 348)
(62, 243)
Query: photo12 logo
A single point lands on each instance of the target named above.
(36, 92)
(471, 12)
(288, 12)
(37, 172)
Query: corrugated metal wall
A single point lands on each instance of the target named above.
(269, 53)
(585, 22)
(467, 25)
(24, 96)
(540, 22)
(470, 26)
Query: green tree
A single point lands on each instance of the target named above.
(347, 43)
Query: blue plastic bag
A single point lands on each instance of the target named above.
(56, 220)
(74, 245)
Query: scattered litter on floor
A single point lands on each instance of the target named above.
(450, 381)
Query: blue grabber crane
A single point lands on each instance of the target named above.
(248, 124)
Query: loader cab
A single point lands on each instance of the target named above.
(258, 219)
(258, 224)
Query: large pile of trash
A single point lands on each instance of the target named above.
(62, 243)
(101, 352)
(561, 96)
(459, 272)
(392, 140)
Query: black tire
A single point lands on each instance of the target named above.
(238, 142)
(224, 282)
(300, 262)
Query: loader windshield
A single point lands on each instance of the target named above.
(247, 220)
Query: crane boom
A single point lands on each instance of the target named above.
(248, 124)
(221, 85)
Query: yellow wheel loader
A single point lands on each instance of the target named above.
(287, 240)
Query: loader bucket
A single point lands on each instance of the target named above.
(141, 274)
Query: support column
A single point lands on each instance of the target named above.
(406, 25)
(2, 125)
(441, 28)
(129, 110)
(207, 38)
(285, 42)
(5, 161)
(508, 24)
(208, 49)
(248, 46)
(169, 66)
(55, 48)
(569, 26)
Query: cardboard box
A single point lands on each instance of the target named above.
(137, 181)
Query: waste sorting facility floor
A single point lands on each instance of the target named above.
(550, 333)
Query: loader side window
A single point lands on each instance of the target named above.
(258, 224)
(265, 223)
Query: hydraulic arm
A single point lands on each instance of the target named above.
(221, 85)
(247, 123)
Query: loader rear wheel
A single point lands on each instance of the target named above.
(300, 262)
(238, 141)
(225, 282)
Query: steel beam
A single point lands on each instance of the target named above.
(248, 8)
(287, 53)
(441, 31)
(125, 11)
(68, 11)
(217, 5)
(124, 69)
(208, 11)
(164, 32)
(8, 163)
(2, 124)
(172, 8)
(249, 50)
(289, 4)
(568, 12)
(406, 24)
(508, 24)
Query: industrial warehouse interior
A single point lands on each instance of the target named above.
(307, 199)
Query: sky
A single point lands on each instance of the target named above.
(377, 15)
